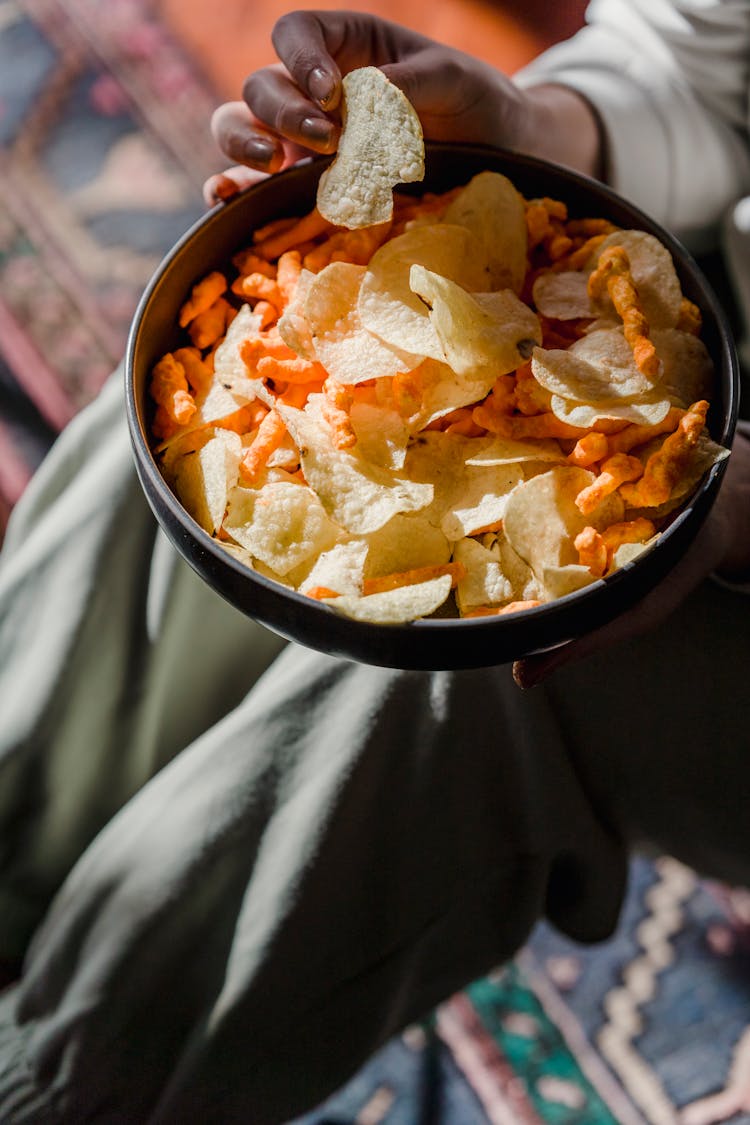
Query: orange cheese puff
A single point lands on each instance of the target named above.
(592, 551)
(635, 434)
(247, 261)
(589, 449)
(289, 267)
(613, 273)
(521, 428)
(529, 397)
(629, 531)
(211, 324)
(258, 347)
(319, 592)
(262, 288)
(665, 467)
(271, 433)
(338, 401)
(461, 422)
(297, 394)
(577, 258)
(274, 227)
(246, 419)
(498, 404)
(558, 246)
(199, 373)
(407, 389)
(614, 472)
(386, 582)
(202, 297)
(295, 370)
(169, 388)
(309, 226)
(590, 228)
(267, 312)
(690, 318)
(163, 426)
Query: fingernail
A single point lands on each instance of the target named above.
(258, 150)
(321, 86)
(317, 129)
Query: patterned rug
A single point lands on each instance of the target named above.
(103, 149)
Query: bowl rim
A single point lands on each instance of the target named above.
(696, 508)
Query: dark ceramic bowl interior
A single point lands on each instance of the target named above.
(436, 643)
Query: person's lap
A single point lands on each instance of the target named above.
(328, 849)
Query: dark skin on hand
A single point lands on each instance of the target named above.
(290, 110)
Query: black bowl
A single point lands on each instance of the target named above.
(436, 643)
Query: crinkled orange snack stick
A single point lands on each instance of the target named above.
(636, 434)
(596, 548)
(209, 326)
(203, 295)
(169, 388)
(589, 449)
(665, 467)
(311, 225)
(198, 372)
(592, 551)
(613, 273)
(336, 407)
(290, 370)
(271, 433)
(615, 471)
(261, 288)
(456, 570)
(520, 427)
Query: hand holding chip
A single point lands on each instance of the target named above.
(290, 111)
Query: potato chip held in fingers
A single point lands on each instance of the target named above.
(381, 145)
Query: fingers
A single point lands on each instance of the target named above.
(301, 42)
(242, 139)
(277, 104)
(219, 188)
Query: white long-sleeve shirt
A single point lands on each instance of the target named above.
(671, 84)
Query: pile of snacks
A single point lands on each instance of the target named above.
(473, 407)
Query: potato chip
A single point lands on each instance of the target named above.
(542, 520)
(202, 478)
(292, 324)
(493, 210)
(340, 569)
(563, 295)
(646, 412)
(349, 353)
(395, 607)
(387, 305)
(687, 369)
(653, 273)
(382, 434)
(477, 331)
(381, 145)
(484, 582)
(442, 390)
(597, 368)
(503, 451)
(558, 581)
(406, 542)
(358, 495)
(282, 524)
(466, 498)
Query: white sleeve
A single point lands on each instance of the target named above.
(670, 82)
